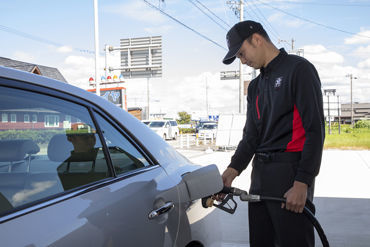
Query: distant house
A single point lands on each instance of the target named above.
(136, 112)
(361, 111)
(50, 72)
(23, 119)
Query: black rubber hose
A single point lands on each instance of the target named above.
(311, 217)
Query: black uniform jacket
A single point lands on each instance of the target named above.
(285, 114)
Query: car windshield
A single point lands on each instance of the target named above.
(156, 124)
(209, 126)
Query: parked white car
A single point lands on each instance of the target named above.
(146, 122)
(167, 129)
(208, 131)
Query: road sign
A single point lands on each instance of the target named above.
(229, 75)
(141, 57)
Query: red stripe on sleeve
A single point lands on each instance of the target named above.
(298, 135)
(258, 109)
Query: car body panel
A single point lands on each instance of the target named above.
(114, 211)
(97, 218)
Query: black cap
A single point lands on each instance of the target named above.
(236, 36)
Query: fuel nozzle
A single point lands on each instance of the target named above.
(227, 204)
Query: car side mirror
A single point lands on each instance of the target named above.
(203, 182)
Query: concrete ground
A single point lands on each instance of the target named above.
(342, 197)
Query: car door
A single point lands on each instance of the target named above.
(111, 194)
(169, 130)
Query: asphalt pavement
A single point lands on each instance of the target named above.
(342, 197)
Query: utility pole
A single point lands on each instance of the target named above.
(351, 77)
(241, 82)
(207, 97)
(96, 28)
(240, 11)
(147, 98)
(338, 116)
(329, 116)
(106, 60)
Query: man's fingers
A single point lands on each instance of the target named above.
(218, 197)
(294, 207)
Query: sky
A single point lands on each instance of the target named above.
(334, 36)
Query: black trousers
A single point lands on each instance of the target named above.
(269, 224)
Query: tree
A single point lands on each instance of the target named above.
(185, 118)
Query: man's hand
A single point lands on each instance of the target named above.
(296, 197)
(227, 178)
(229, 175)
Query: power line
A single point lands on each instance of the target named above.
(313, 22)
(272, 28)
(274, 33)
(191, 29)
(38, 39)
(327, 4)
(210, 17)
(266, 20)
(212, 13)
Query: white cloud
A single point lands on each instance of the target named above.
(64, 49)
(275, 17)
(78, 60)
(362, 51)
(137, 10)
(37, 187)
(78, 69)
(364, 64)
(185, 94)
(333, 73)
(318, 54)
(362, 37)
(283, 20)
(24, 57)
(158, 30)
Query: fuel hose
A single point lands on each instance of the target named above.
(244, 196)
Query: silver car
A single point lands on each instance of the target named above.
(75, 170)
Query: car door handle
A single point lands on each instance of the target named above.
(162, 210)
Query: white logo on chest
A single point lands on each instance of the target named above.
(278, 82)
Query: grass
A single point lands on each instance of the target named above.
(349, 138)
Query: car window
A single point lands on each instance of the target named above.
(125, 157)
(47, 146)
(173, 123)
(156, 124)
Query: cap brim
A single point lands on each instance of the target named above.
(231, 55)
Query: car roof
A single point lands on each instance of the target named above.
(147, 138)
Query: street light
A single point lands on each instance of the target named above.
(351, 77)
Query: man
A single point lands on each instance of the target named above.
(284, 131)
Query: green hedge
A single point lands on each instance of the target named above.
(38, 136)
(186, 130)
(362, 124)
